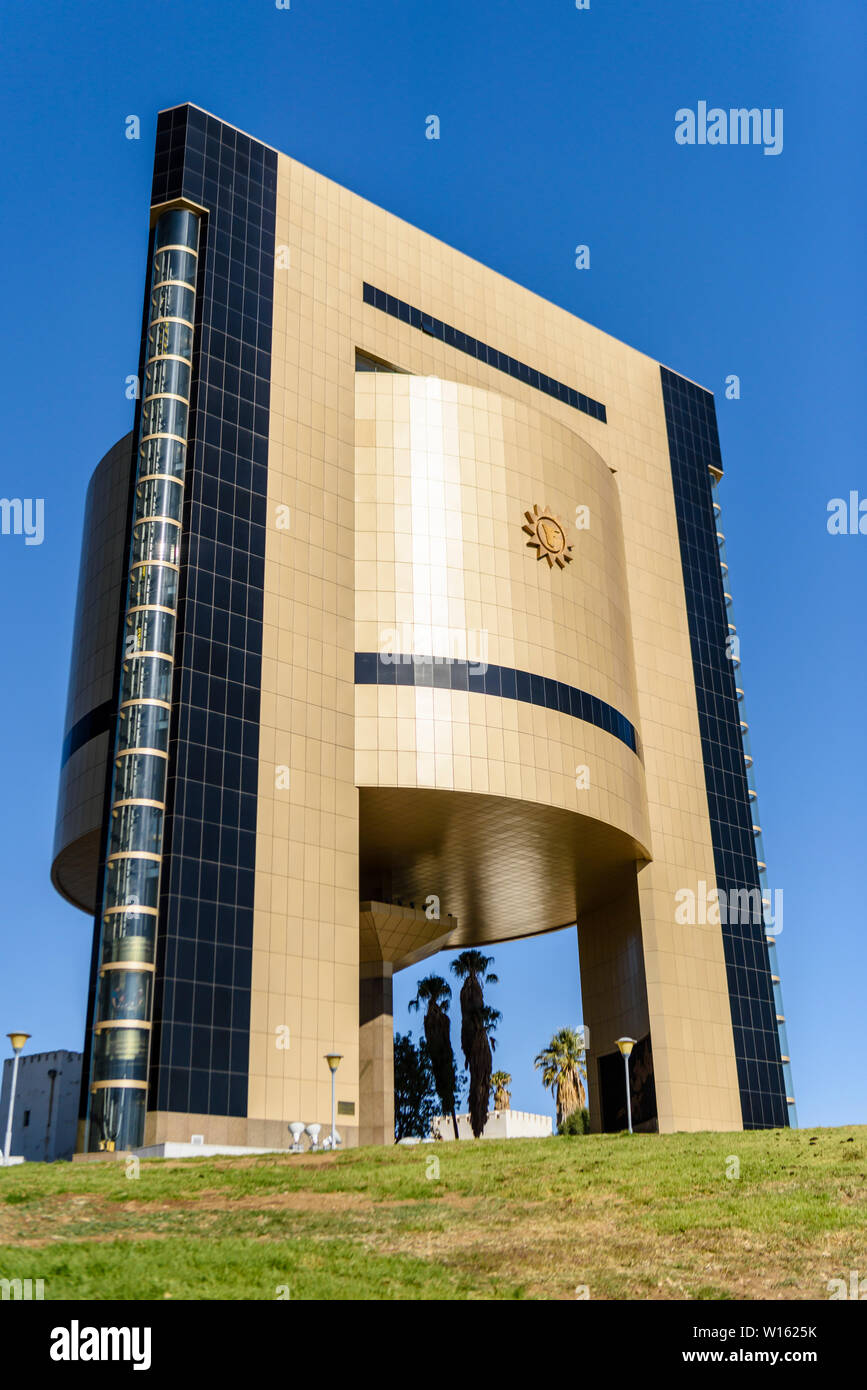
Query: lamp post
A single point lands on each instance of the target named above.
(626, 1045)
(333, 1059)
(17, 1040)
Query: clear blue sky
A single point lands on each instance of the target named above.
(557, 129)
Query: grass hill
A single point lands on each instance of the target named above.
(643, 1217)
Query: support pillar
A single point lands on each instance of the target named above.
(376, 1054)
(391, 937)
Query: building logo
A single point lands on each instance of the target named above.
(548, 537)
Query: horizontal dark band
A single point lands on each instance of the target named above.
(376, 668)
(96, 721)
(453, 337)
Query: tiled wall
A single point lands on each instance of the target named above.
(90, 707)
(694, 445)
(305, 945)
(199, 1058)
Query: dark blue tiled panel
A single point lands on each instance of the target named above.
(96, 721)
(202, 1004)
(693, 442)
(452, 337)
(371, 668)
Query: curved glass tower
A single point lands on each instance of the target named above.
(133, 856)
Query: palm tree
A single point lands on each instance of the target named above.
(476, 1019)
(435, 991)
(490, 1019)
(564, 1071)
(472, 966)
(499, 1082)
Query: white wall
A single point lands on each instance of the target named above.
(501, 1124)
(42, 1139)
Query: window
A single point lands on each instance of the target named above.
(365, 362)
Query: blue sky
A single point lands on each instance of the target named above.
(557, 128)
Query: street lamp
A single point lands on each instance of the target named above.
(626, 1045)
(333, 1059)
(17, 1040)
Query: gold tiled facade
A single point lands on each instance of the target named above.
(397, 483)
(444, 567)
(396, 508)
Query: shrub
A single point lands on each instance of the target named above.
(576, 1123)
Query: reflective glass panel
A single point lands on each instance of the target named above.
(124, 994)
(139, 775)
(156, 540)
(131, 883)
(159, 497)
(146, 678)
(143, 726)
(168, 336)
(129, 935)
(135, 828)
(149, 630)
(120, 1054)
(153, 584)
(175, 265)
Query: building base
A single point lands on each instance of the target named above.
(181, 1150)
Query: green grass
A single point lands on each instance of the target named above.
(626, 1217)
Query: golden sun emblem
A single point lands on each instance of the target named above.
(548, 537)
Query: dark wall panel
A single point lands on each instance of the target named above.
(202, 1013)
(693, 442)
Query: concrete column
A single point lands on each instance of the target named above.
(391, 937)
(375, 1054)
(613, 993)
